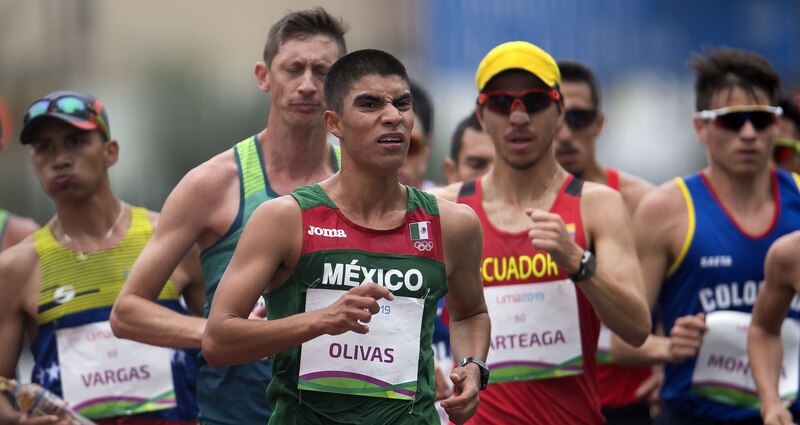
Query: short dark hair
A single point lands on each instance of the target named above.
(726, 68)
(457, 142)
(354, 66)
(791, 110)
(576, 72)
(301, 24)
(422, 107)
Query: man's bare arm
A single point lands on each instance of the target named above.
(660, 220)
(136, 315)
(469, 319)
(18, 271)
(764, 346)
(266, 254)
(615, 290)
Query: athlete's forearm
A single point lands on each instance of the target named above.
(654, 350)
(469, 337)
(139, 319)
(620, 306)
(766, 353)
(233, 340)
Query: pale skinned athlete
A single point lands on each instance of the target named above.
(212, 203)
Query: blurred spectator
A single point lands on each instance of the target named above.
(786, 151)
(471, 152)
(413, 170)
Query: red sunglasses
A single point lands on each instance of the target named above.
(531, 101)
(785, 149)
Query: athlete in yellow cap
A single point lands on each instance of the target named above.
(558, 254)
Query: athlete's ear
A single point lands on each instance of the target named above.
(261, 72)
(449, 168)
(699, 129)
(333, 122)
(479, 115)
(111, 153)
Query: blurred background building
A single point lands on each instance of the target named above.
(177, 76)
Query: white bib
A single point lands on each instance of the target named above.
(381, 363)
(536, 331)
(104, 376)
(722, 372)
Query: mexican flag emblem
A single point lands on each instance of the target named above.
(419, 230)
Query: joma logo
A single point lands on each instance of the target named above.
(328, 233)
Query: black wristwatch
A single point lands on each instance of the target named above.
(481, 366)
(586, 269)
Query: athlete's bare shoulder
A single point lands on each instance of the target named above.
(17, 266)
(458, 220)
(633, 189)
(785, 252)
(16, 230)
(449, 192)
(665, 200)
(206, 186)
(663, 214)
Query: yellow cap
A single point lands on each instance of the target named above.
(518, 55)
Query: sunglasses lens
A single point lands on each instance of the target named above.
(536, 101)
(72, 106)
(578, 119)
(762, 119)
(735, 120)
(500, 103)
(503, 103)
(37, 109)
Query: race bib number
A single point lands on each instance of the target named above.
(382, 363)
(103, 376)
(722, 372)
(535, 331)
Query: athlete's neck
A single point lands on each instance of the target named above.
(88, 218)
(525, 187)
(742, 193)
(375, 202)
(594, 172)
(298, 151)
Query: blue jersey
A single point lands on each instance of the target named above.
(719, 268)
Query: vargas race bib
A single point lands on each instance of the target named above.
(722, 372)
(103, 376)
(536, 331)
(381, 363)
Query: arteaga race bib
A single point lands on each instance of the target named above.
(103, 376)
(536, 331)
(381, 363)
(722, 372)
